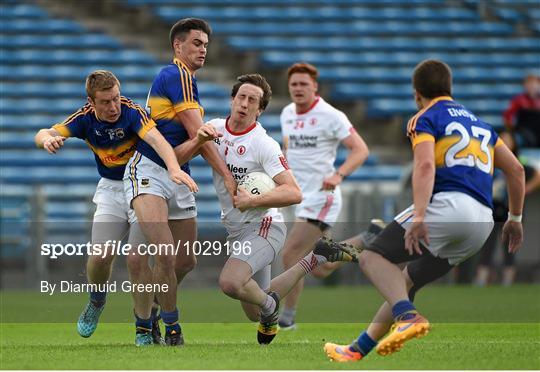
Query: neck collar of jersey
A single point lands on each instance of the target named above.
(241, 133)
(317, 98)
(438, 99)
(178, 62)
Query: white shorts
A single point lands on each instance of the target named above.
(266, 240)
(143, 176)
(322, 206)
(458, 225)
(110, 200)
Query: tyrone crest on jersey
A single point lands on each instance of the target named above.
(241, 150)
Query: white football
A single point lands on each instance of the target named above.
(257, 183)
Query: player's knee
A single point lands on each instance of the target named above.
(100, 262)
(166, 262)
(135, 265)
(367, 258)
(230, 287)
(184, 267)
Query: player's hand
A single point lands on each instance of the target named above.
(230, 185)
(180, 177)
(207, 132)
(512, 235)
(53, 144)
(242, 199)
(418, 231)
(330, 182)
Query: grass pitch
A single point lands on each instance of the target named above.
(473, 328)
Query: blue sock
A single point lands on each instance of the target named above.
(170, 319)
(364, 344)
(98, 298)
(143, 325)
(402, 307)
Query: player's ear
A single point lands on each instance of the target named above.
(418, 99)
(90, 101)
(177, 43)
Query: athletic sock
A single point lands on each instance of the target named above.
(311, 261)
(363, 345)
(403, 310)
(287, 316)
(143, 325)
(170, 319)
(98, 298)
(268, 306)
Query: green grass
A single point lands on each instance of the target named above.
(500, 331)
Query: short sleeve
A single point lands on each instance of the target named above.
(140, 122)
(341, 126)
(73, 126)
(271, 158)
(181, 90)
(497, 141)
(420, 129)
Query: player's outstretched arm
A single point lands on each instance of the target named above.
(49, 139)
(515, 182)
(192, 121)
(189, 149)
(358, 153)
(155, 139)
(286, 193)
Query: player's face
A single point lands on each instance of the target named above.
(245, 105)
(107, 104)
(192, 50)
(302, 88)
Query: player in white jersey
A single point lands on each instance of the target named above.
(312, 131)
(254, 224)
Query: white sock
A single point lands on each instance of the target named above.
(268, 306)
(311, 261)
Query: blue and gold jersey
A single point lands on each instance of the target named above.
(464, 147)
(112, 143)
(173, 91)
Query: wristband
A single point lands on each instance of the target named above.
(514, 218)
(341, 175)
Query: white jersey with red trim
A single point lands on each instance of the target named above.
(244, 152)
(313, 139)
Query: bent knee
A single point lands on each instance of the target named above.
(230, 287)
(366, 257)
(165, 262)
(185, 267)
(99, 261)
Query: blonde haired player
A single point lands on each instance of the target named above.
(111, 125)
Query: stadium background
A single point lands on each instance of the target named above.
(364, 49)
